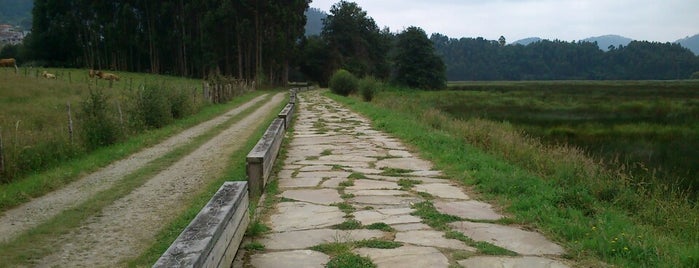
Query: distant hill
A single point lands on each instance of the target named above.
(603, 42)
(527, 41)
(314, 21)
(691, 42)
(16, 12)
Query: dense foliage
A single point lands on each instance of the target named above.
(355, 42)
(245, 39)
(480, 59)
(343, 83)
(415, 62)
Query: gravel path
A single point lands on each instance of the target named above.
(128, 226)
(27, 216)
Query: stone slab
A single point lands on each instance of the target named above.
(405, 256)
(376, 192)
(385, 201)
(347, 158)
(299, 183)
(431, 238)
(399, 153)
(316, 196)
(362, 184)
(332, 183)
(441, 190)
(517, 240)
(293, 216)
(411, 227)
(323, 174)
(473, 210)
(510, 262)
(286, 259)
(404, 163)
(315, 168)
(387, 216)
(308, 238)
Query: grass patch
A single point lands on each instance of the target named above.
(256, 229)
(326, 152)
(345, 207)
(333, 249)
(426, 196)
(407, 184)
(357, 175)
(351, 224)
(254, 246)
(394, 172)
(347, 183)
(350, 260)
(380, 226)
(432, 217)
(347, 196)
(378, 243)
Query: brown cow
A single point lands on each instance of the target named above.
(92, 73)
(8, 62)
(107, 76)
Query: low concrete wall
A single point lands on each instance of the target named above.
(213, 237)
(287, 114)
(261, 158)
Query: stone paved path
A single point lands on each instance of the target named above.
(336, 162)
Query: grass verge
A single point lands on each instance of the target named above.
(592, 230)
(41, 240)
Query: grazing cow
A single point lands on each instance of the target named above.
(107, 76)
(92, 73)
(8, 62)
(48, 75)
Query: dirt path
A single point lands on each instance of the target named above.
(125, 228)
(27, 216)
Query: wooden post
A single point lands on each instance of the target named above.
(70, 124)
(121, 115)
(2, 158)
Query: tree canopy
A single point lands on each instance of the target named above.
(355, 41)
(480, 59)
(415, 62)
(250, 39)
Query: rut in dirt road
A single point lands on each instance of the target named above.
(29, 215)
(128, 226)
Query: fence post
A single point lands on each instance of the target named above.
(2, 153)
(70, 124)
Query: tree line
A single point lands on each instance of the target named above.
(350, 40)
(481, 59)
(249, 39)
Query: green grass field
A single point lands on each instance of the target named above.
(650, 127)
(601, 212)
(34, 120)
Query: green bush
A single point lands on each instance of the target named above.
(695, 75)
(343, 83)
(153, 109)
(182, 103)
(97, 127)
(367, 87)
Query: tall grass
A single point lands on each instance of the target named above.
(598, 211)
(40, 132)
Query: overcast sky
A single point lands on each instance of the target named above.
(652, 20)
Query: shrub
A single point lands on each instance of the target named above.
(182, 103)
(367, 87)
(97, 127)
(343, 83)
(695, 75)
(152, 108)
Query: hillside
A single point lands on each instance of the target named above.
(527, 41)
(691, 42)
(604, 41)
(314, 21)
(16, 12)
